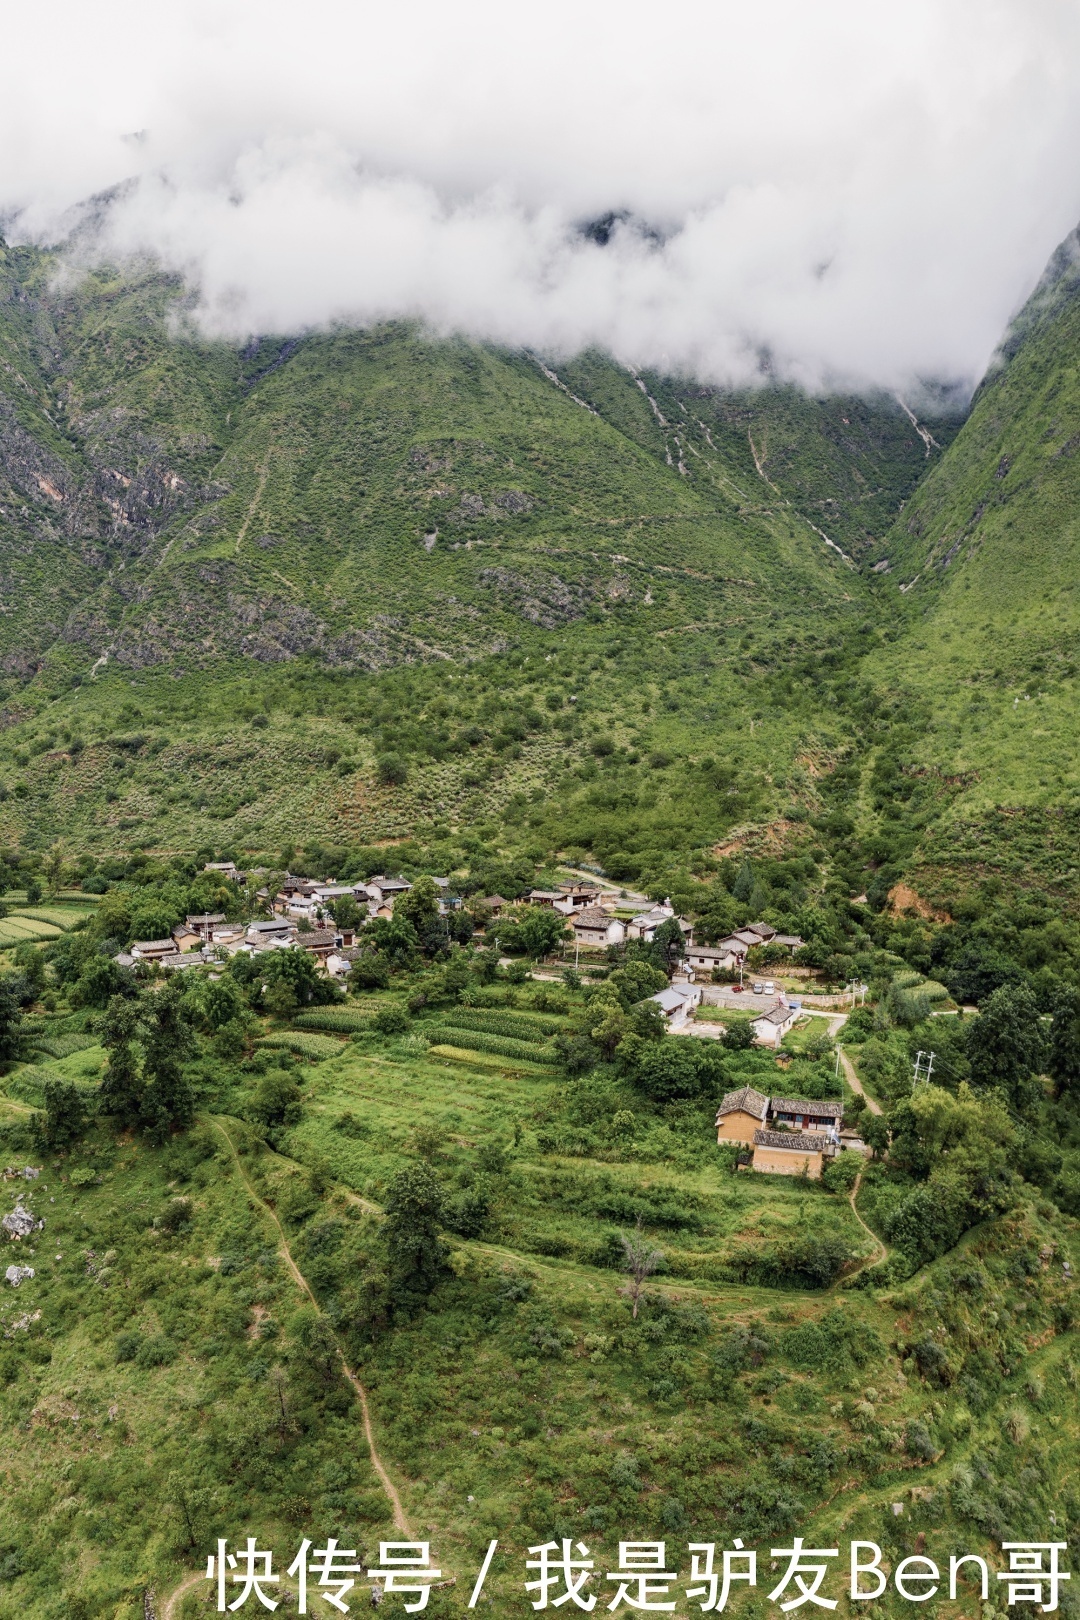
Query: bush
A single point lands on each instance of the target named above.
(156, 1352)
(391, 770)
(391, 1020)
(176, 1215)
(127, 1346)
(841, 1175)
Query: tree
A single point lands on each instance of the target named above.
(296, 971)
(418, 908)
(416, 1256)
(121, 1090)
(743, 887)
(346, 912)
(395, 938)
(99, 981)
(640, 1260)
(1006, 1045)
(10, 1020)
(536, 930)
(669, 939)
(738, 1035)
(64, 1118)
(671, 1069)
(875, 1133)
(391, 770)
(167, 1041)
(1064, 1057)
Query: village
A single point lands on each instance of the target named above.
(780, 1135)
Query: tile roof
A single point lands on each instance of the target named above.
(775, 1015)
(744, 1101)
(807, 1105)
(591, 917)
(796, 1141)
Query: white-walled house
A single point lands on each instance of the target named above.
(595, 927)
(770, 1027)
(677, 1002)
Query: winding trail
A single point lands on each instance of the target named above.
(881, 1253)
(850, 1076)
(401, 1521)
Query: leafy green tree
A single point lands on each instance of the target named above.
(1064, 1056)
(670, 941)
(396, 940)
(33, 892)
(99, 981)
(738, 1035)
(217, 1002)
(31, 964)
(346, 912)
(418, 908)
(168, 1039)
(743, 887)
(391, 770)
(296, 972)
(121, 1093)
(64, 1117)
(534, 930)
(10, 1020)
(672, 1069)
(1006, 1045)
(875, 1133)
(636, 981)
(416, 1256)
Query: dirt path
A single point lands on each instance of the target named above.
(849, 1068)
(169, 1607)
(881, 1253)
(400, 1520)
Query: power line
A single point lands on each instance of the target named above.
(922, 1074)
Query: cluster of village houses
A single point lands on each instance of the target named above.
(787, 1136)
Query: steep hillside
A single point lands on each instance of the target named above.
(987, 558)
(236, 581)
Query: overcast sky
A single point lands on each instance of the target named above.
(865, 190)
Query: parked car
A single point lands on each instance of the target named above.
(770, 988)
(758, 989)
(737, 989)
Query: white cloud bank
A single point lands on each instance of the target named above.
(866, 190)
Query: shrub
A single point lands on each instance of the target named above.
(391, 770)
(176, 1215)
(391, 1020)
(155, 1352)
(841, 1175)
(127, 1346)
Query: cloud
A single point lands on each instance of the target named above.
(865, 192)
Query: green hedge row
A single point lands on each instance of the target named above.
(479, 1041)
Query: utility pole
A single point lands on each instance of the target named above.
(922, 1075)
(837, 1074)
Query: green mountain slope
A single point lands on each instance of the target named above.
(987, 557)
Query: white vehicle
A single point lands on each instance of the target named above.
(770, 988)
(758, 989)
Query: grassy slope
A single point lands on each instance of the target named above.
(513, 1413)
(989, 550)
